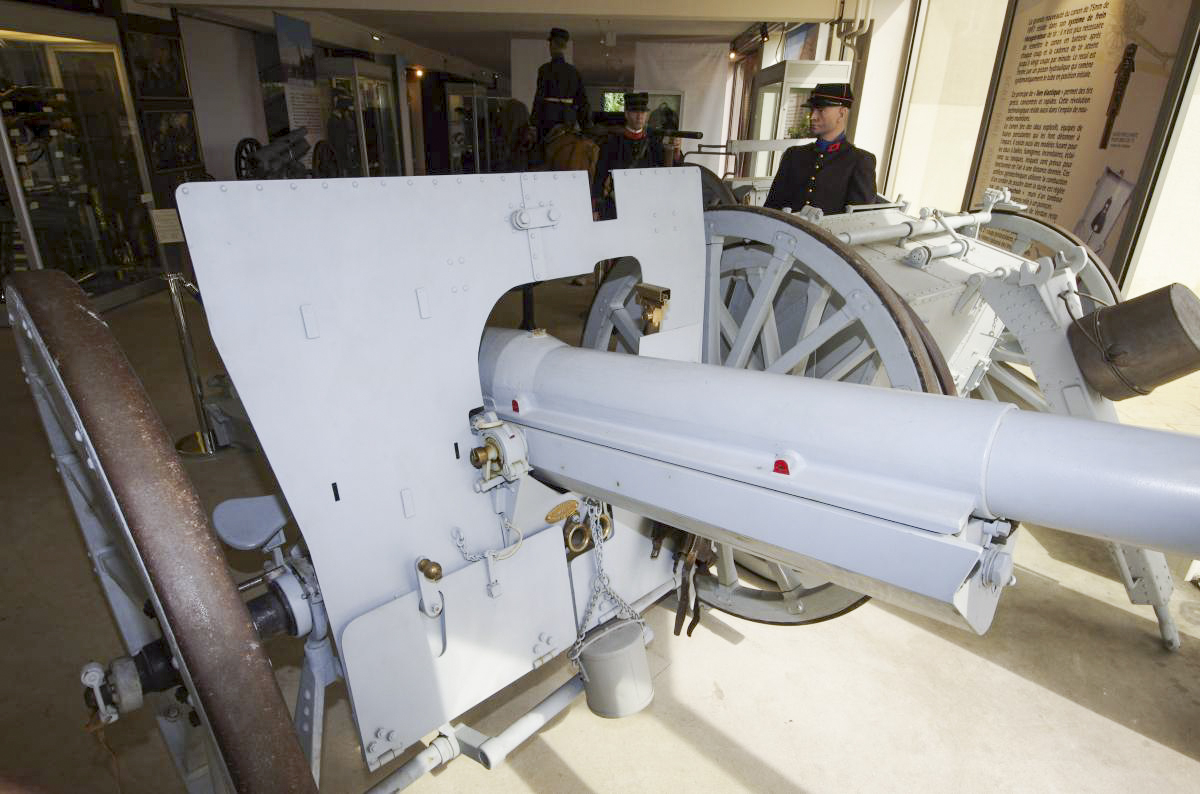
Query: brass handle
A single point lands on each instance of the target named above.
(431, 569)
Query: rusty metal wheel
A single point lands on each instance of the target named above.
(150, 540)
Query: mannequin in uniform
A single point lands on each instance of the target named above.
(831, 172)
(632, 147)
(559, 98)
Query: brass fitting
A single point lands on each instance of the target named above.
(431, 570)
(480, 456)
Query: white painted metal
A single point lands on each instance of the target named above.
(335, 303)
(924, 461)
(350, 322)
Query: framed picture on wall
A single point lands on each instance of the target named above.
(157, 63)
(172, 140)
(666, 110)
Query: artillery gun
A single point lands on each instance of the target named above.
(471, 510)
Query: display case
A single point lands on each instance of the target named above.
(468, 129)
(75, 175)
(359, 97)
(780, 113)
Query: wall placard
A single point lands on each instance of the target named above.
(1082, 101)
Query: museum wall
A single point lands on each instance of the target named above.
(880, 96)
(225, 90)
(956, 55)
(700, 70)
(1167, 253)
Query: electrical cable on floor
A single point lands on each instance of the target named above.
(96, 728)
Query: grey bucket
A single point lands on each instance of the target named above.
(616, 669)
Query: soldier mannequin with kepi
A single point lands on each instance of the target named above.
(831, 172)
(560, 98)
(632, 147)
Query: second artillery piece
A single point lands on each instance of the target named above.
(988, 304)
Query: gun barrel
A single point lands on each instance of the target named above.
(877, 488)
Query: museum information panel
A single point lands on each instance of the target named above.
(1080, 91)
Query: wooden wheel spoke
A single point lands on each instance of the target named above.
(818, 295)
(729, 326)
(1009, 356)
(1020, 385)
(727, 573)
(854, 359)
(985, 388)
(807, 345)
(760, 308)
(769, 338)
(627, 330)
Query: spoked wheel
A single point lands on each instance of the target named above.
(150, 541)
(1009, 376)
(244, 164)
(714, 190)
(794, 300)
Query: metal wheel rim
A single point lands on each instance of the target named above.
(96, 411)
(243, 161)
(612, 324)
(1009, 376)
(713, 189)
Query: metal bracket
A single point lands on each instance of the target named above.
(431, 598)
(92, 677)
(535, 218)
(493, 586)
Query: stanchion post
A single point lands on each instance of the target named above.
(203, 441)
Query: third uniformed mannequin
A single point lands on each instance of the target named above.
(831, 172)
(560, 98)
(632, 147)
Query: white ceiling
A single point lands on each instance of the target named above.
(484, 38)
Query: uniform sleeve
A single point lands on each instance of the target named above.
(603, 167)
(584, 109)
(781, 186)
(861, 189)
(539, 95)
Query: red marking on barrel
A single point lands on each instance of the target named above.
(781, 467)
(516, 408)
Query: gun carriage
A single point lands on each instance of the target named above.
(788, 392)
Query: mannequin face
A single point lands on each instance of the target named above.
(830, 121)
(636, 119)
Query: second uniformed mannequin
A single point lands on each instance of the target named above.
(632, 147)
(560, 98)
(831, 172)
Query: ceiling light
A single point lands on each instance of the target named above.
(732, 54)
(376, 37)
(763, 32)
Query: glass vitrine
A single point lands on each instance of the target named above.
(360, 102)
(467, 122)
(74, 159)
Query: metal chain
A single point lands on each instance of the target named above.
(602, 588)
(497, 554)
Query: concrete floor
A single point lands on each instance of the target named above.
(1069, 691)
